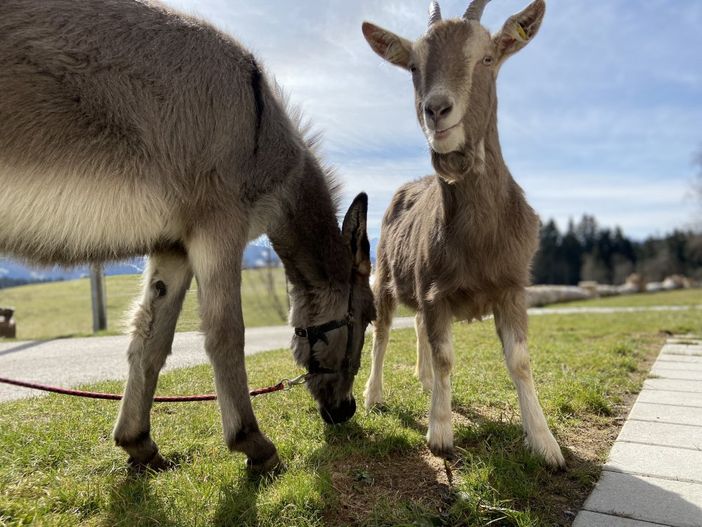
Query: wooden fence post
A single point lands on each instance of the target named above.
(97, 293)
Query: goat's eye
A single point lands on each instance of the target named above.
(487, 61)
(413, 69)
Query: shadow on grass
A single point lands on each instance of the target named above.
(495, 478)
(133, 502)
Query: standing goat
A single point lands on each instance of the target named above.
(128, 129)
(459, 244)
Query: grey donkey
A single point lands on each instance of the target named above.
(459, 243)
(129, 129)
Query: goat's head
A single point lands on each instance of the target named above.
(454, 66)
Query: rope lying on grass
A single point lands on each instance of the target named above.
(285, 384)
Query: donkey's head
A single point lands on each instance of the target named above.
(454, 66)
(330, 349)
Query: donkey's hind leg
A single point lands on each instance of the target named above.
(511, 324)
(423, 371)
(166, 280)
(385, 309)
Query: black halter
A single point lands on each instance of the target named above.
(316, 333)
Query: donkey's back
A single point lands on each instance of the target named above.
(117, 118)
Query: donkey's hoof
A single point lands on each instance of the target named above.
(157, 463)
(270, 465)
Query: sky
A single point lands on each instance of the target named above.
(600, 114)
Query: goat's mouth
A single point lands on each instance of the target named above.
(443, 134)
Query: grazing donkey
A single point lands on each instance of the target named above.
(129, 129)
(459, 244)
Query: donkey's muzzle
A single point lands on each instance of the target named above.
(339, 414)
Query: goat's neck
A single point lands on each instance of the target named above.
(307, 238)
(478, 196)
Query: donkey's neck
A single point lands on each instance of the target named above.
(307, 238)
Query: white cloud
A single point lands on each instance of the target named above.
(605, 101)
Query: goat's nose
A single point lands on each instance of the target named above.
(437, 107)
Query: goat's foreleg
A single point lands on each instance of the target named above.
(166, 280)
(217, 266)
(438, 320)
(385, 303)
(511, 324)
(423, 371)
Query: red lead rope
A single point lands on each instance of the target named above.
(282, 385)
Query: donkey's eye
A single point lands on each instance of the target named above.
(413, 69)
(488, 60)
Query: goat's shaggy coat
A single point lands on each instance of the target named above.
(128, 129)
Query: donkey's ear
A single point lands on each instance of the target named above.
(519, 30)
(354, 232)
(388, 45)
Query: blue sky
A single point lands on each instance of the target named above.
(600, 114)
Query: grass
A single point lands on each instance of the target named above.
(63, 309)
(682, 297)
(58, 465)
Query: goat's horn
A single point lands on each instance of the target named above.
(475, 10)
(434, 13)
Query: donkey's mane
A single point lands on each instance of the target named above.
(313, 140)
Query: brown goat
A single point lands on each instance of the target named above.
(128, 129)
(459, 243)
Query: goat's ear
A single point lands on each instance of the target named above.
(388, 45)
(355, 235)
(519, 30)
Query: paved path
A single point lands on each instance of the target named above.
(70, 362)
(653, 476)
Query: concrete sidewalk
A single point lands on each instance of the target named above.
(653, 476)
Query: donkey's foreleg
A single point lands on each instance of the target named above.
(217, 265)
(423, 371)
(385, 304)
(166, 280)
(438, 325)
(511, 324)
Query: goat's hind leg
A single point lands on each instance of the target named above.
(511, 324)
(385, 304)
(424, 370)
(166, 280)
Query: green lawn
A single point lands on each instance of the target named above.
(682, 297)
(58, 465)
(61, 309)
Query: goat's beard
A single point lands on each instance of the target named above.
(452, 166)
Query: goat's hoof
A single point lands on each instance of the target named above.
(445, 452)
(157, 463)
(259, 467)
(548, 449)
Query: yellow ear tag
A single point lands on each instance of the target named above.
(521, 33)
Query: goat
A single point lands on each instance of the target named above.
(130, 129)
(459, 243)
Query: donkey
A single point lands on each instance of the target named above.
(130, 129)
(459, 243)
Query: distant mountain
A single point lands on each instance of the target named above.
(258, 254)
